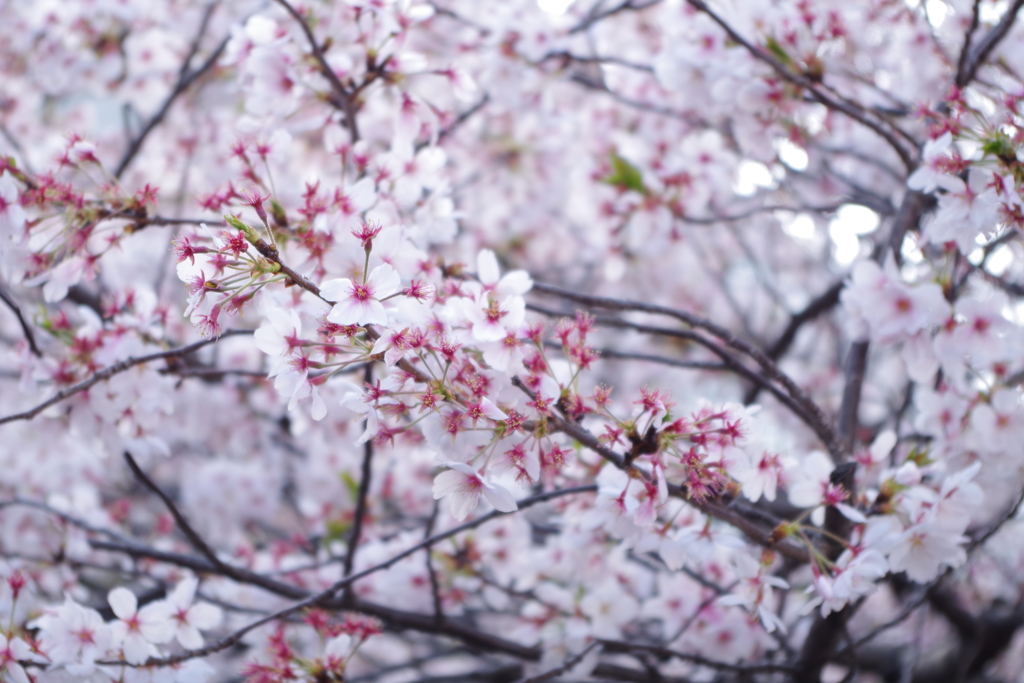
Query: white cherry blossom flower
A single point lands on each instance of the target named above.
(360, 303)
(465, 486)
(189, 619)
(137, 629)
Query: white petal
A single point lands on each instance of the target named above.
(205, 616)
(500, 498)
(384, 281)
(123, 602)
(336, 290)
(487, 267)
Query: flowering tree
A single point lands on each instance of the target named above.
(395, 340)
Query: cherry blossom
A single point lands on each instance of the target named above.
(287, 291)
(189, 619)
(139, 628)
(360, 303)
(465, 487)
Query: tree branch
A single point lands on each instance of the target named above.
(970, 65)
(364, 490)
(185, 79)
(838, 103)
(115, 369)
(814, 412)
(26, 330)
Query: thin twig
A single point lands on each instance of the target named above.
(115, 369)
(623, 6)
(185, 79)
(29, 336)
(194, 539)
(564, 667)
(981, 52)
(364, 489)
(822, 425)
(731, 362)
(852, 109)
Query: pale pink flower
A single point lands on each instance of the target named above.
(74, 636)
(188, 618)
(12, 652)
(465, 486)
(136, 630)
(360, 303)
(924, 548)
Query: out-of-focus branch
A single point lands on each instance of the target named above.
(812, 411)
(624, 6)
(186, 78)
(731, 362)
(668, 653)
(26, 330)
(823, 303)
(190, 533)
(328, 597)
(364, 491)
(961, 67)
(115, 369)
(564, 667)
(344, 98)
(855, 111)
(978, 55)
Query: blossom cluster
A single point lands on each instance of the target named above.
(561, 330)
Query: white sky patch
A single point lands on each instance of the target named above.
(850, 222)
(555, 7)
(992, 12)
(791, 154)
(847, 245)
(999, 260)
(800, 227)
(860, 220)
(750, 176)
(936, 11)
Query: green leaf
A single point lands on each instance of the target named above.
(999, 146)
(336, 531)
(625, 175)
(351, 485)
(776, 51)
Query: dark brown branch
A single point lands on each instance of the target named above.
(344, 98)
(731, 362)
(667, 653)
(194, 539)
(328, 597)
(961, 67)
(564, 667)
(826, 301)
(185, 79)
(984, 48)
(435, 586)
(595, 17)
(888, 132)
(364, 490)
(115, 369)
(26, 330)
(856, 366)
(811, 410)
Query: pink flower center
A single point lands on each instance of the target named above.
(361, 293)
